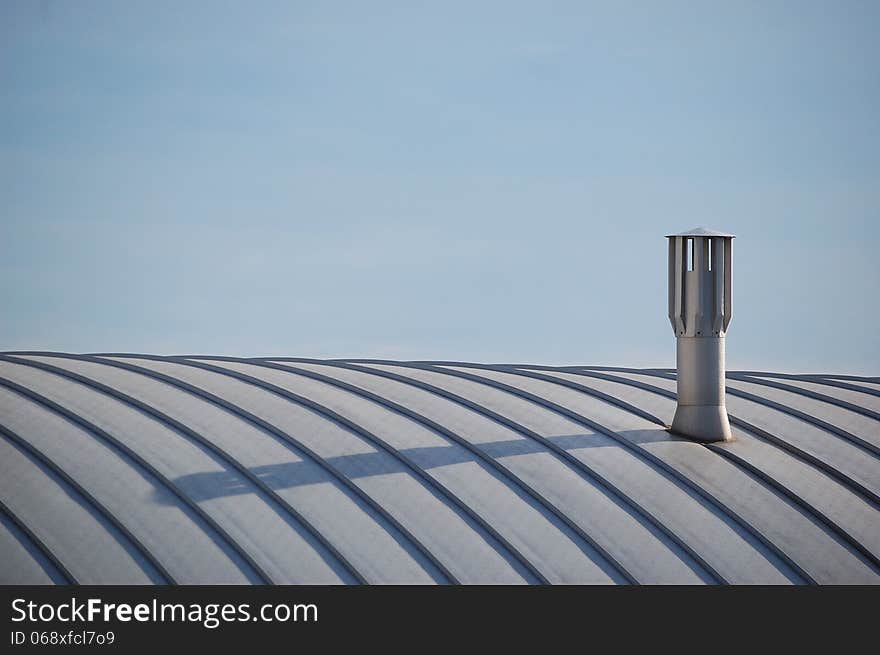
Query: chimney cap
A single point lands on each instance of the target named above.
(701, 232)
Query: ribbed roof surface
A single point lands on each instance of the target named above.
(138, 469)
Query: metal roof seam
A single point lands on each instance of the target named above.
(639, 412)
(294, 445)
(40, 545)
(177, 426)
(808, 393)
(871, 379)
(580, 467)
(478, 452)
(673, 474)
(797, 452)
(565, 473)
(430, 481)
(827, 382)
(807, 418)
(146, 466)
(791, 411)
(97, 506)
(824, 467)
(863, 550)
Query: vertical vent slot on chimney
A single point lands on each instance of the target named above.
(709, 258)
(690, 254)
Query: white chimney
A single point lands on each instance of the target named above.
(700, 310)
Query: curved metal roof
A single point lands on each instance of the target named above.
(121, 469)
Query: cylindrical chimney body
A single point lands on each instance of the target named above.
(700, 311)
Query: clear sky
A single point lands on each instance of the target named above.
(487, 181)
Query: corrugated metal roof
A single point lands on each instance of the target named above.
(145, 469)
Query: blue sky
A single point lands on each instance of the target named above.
(488, 181)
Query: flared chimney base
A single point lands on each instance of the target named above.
(704, 423)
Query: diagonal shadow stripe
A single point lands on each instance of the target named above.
(477, 455)
(785, 409)
(216, 532)
(814, 461)
(440, 491)
(361, 465)
(286, 511)
(709, 499)
(557, 447)
(397, 531)
(867, 555)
